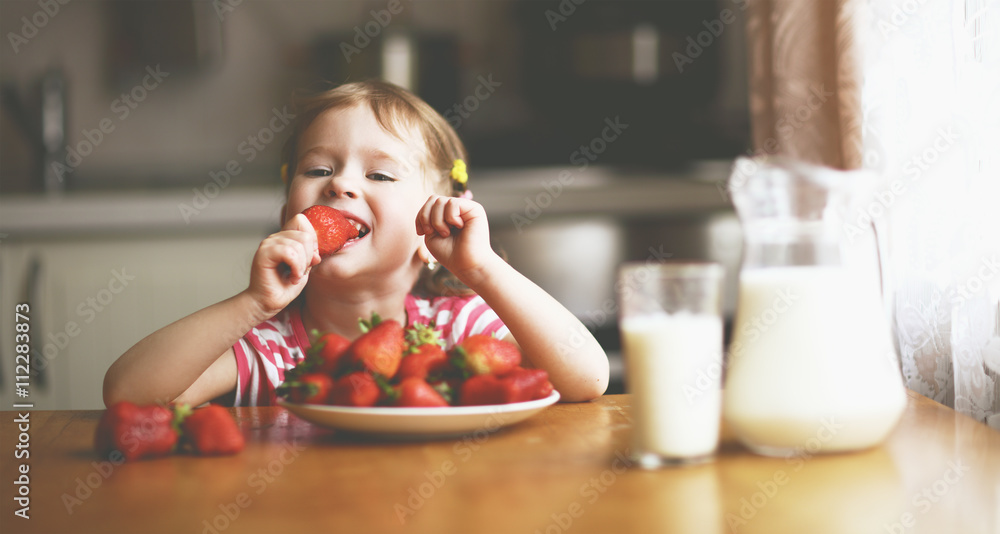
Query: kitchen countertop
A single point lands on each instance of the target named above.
(564, 470)
(530, 193)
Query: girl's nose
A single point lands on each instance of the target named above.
(341, 187)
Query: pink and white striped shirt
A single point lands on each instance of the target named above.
(280, 343)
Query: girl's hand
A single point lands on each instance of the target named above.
(456, 233)
(281, 265)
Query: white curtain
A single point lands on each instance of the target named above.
(930, 99)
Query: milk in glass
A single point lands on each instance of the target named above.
(675, 415)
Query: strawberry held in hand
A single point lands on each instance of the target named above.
(332, 228)
(136, 431)
(212, 431)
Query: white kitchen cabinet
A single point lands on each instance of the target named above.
(92, 298)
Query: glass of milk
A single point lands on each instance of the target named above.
(670, 317)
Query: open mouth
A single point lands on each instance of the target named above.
(363, 230)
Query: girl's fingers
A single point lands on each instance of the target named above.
(423, 217)
(453, 214)
(301, 229)
(430, 219)
(286, 250)
(443, 215)
(300, 223)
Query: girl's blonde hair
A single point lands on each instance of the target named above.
(399, 112)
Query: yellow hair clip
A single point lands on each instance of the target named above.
(458, 172)
(284, 173)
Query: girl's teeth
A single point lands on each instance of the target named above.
(362, 229)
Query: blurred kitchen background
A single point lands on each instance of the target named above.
(139, 146)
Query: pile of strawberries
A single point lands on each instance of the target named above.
(152, 431)
(389, 365)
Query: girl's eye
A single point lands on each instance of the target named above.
(379, 177)
(318, 172)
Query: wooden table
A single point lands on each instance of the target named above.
(562, 471)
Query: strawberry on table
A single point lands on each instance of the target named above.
(212, 431)
(482, 354)
(136, 431)
(332, 228)
(415, 392)
(355, 389)
(380, 347)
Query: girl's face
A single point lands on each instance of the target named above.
(346, 160)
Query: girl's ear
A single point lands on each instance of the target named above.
(424, 255)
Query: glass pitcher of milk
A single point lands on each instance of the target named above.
(812, 367)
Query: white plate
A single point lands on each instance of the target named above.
(420, 423)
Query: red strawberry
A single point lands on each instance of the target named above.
(332, 228)
(310, 388)
(355, 389)
(519, 385)
(380, 347)
(212, 431)
(136, 431)
(482, 390)
(428, 360)
(482, 354)
(416, 392)
(331, 347)
(527, 384)
(424, 353)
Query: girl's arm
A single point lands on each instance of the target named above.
(191, 360)
(550, 336)
(171, 361)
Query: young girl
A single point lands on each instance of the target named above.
(396, 169)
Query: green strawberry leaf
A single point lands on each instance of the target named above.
(383, 384)
(457, 357)
(285, 389)
(420, 334)
(366, 326)
(445, 390)
(181, 412)
(315, 334)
